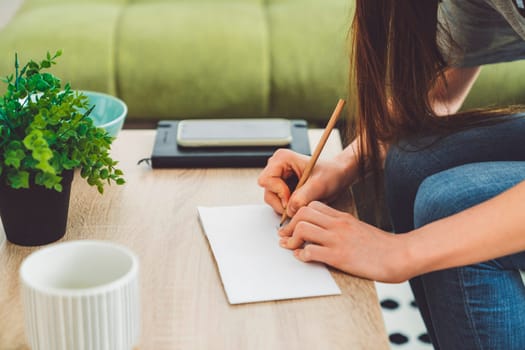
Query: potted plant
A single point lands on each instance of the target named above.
(45, 134)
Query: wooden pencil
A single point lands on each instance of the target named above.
(318, 149)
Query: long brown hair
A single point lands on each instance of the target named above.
(395, 63)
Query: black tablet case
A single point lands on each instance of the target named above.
(167, 154)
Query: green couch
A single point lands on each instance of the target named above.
(193, 58)
(172, 59)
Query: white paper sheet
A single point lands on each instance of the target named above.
(252, 265)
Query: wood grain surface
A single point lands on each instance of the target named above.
(183, 302)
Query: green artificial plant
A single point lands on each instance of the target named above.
(45, 130)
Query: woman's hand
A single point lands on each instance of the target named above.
(320, 233)
(326, 180)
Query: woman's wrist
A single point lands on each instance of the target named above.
(348, 161)
(404, 261)
(428, 250)
(415, 259)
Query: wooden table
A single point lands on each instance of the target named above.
(183, 302)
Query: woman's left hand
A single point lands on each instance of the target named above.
(342, 241)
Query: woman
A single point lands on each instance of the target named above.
(453, 181)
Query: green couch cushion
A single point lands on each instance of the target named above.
(309, 55)
(210, 58)
(207, 2)
(193, 59)
(498, 85)
(189, 58)
(29, 5)
(85, 33)
(45, 3)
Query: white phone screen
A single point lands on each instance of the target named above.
(234, 132)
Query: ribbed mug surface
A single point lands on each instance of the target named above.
(90, 303)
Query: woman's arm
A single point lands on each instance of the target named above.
(447, 98)
(486, 231)
(492, 229)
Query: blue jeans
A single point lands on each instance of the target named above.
(480, 306)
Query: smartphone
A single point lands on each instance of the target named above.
(234, 132)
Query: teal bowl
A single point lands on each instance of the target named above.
(109, 112)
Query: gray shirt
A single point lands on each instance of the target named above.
(477, 32)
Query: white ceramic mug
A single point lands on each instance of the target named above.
(81, 295)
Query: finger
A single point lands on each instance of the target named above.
(279, 166)
(303, 196)
(305, 232)
(325, 209)
(274, 172)
(297, 200)
(285, 231)
(278, 187)
(288, 228)
(312, 252)
(274, 201)
(308, 214)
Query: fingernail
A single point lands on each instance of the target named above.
(283, 241)
(306, 254)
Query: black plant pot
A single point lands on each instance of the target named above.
(35, 216)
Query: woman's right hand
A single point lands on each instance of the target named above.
(325, 182)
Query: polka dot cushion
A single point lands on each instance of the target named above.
(403, 323)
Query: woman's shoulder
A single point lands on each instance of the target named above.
(514, 13)
(477, 32)
(485, 14)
